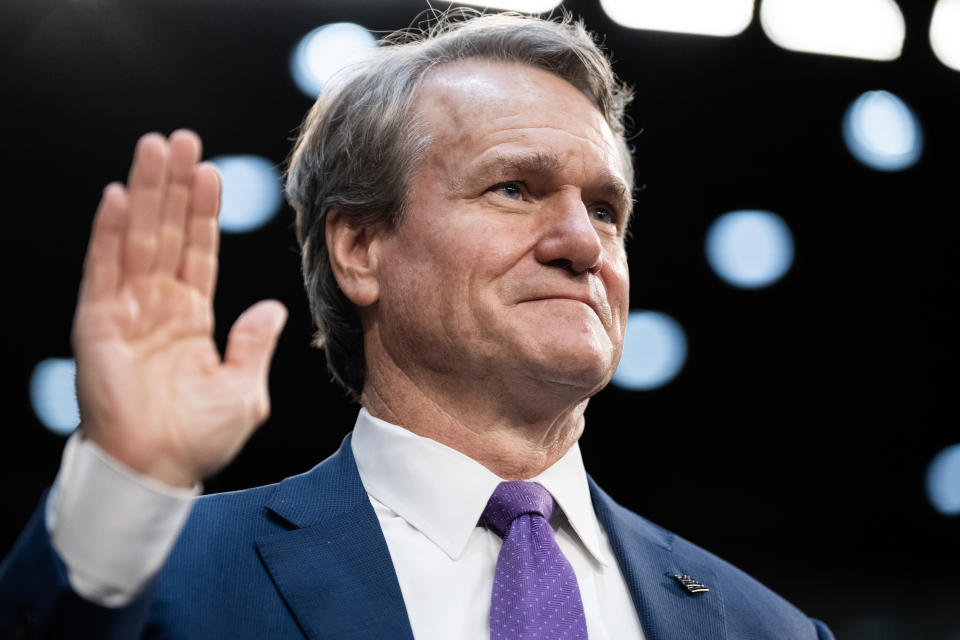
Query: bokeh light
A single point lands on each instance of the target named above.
(945, 32)
(749, 249)
(702, 17)
(654, 351)
(943, 481)
(521, 6)
(882, 132)
(53, 394)
(326, 50)
(252, 192)
(870, 29)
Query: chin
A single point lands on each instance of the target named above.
(566, 347)
(586, 369)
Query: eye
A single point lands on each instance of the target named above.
(602, 214)
(511, 190)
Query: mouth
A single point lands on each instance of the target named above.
(573, 298)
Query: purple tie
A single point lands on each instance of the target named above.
(535, 593)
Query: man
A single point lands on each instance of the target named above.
(462, 203)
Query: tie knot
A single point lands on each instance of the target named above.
(513, 499)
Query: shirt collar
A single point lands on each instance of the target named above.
(413, 475)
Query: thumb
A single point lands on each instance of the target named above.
(253, 338)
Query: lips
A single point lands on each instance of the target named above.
(587, 300)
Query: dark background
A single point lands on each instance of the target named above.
(794, 441)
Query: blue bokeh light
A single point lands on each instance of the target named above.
(882, 132)
(252, 192)
(326, 50)
(943, 481)
(654, 351)
(53, 394)
(749, 249)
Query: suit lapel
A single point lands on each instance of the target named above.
(648, 561)
(333, 567)
(334, 571)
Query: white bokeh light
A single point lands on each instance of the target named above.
(749, 249)
(870, 29)
(943, 481)
(326, 50)
(53, 394)
(521, 6)
(882, 132)
(252, 192)
(654, 350)
(945, 32)
(702, 17)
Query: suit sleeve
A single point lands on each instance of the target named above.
(823, 633)
(90, 553)
(36, 600)
(112, 527)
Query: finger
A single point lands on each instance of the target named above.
(198, 265)
(101, 268)
(184, 155)
(146, 186)
(251, 344)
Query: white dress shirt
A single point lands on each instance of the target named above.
(428, 499)
(112, 527)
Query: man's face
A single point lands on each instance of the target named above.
(509, 266)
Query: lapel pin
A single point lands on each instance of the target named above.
(692, 585)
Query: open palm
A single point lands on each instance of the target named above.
(152, 388)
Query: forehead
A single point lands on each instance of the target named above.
(475, 106)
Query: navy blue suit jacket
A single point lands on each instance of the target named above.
(305, 558)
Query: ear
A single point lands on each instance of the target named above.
(353, 249)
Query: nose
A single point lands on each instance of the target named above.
(569, 239)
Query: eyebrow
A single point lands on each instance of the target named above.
(540, 162)
(531, 162)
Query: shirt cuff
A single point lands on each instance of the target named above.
(112, 527)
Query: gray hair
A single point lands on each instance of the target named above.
(361, 143)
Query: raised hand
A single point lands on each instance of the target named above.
(153, 390)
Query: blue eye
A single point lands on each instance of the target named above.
(602, 214)
(511, 190)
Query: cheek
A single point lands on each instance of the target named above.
(427, 278)
(616, 272)
(618, 292)
(478, 255)
(453, 267)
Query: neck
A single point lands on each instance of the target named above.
(516, 433)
